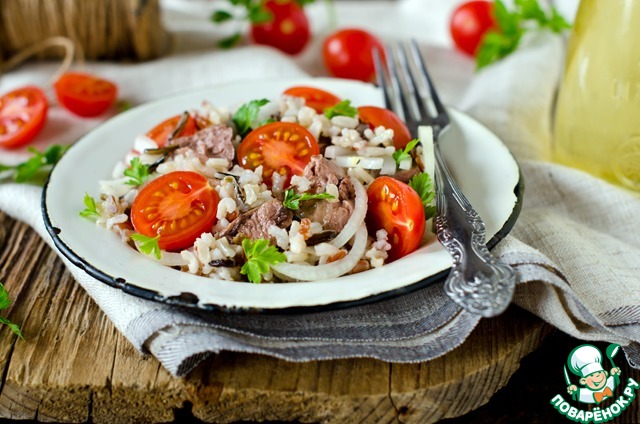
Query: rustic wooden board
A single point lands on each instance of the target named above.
(74, 366)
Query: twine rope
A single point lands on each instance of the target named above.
(67, 44)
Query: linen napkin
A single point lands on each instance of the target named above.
(576, 244)
(415, 327)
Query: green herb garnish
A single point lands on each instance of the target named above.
(36, 169)
(137, 172)
(260, 257)
(91, 209)
(292, 199)
(402, 154)
(246, 114)
(5, 302)
(343, 108)
(423, 185)
(148, 245)
(123, 105)
(526, 15)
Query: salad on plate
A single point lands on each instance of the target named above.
(304, 187)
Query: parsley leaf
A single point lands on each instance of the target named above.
(5, 302)
(260, 257)
(230, 41)
(36, 169)
(423, 185)
(292, 199)
(148, 245)
(137, 172)
(246, 114)
(123, 105)
(512, 24)
(220, 16)
(343, 108)
(402, 154)
(91, 209)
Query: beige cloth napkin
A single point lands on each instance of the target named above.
(576, 245)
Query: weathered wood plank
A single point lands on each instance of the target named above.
(467, 377)
(75, 366)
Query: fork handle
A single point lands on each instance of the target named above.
(478, 281)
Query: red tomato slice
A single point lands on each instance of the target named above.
(288, 31)
(396, 208)
(377, 116)
(469, 22)
(84, 94)
(314, 97)
(161, 132)
(178, 206)
(23, 113)
(282, 147)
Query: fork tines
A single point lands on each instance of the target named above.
(408, 89)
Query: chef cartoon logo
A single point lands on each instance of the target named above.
(592, 380)
(585, 361)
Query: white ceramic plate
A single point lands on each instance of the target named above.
(482, 165)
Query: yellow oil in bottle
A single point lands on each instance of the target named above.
(597, 122)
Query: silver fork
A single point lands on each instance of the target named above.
(477, 281)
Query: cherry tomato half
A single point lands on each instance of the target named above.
(282, 147)
(469, 22)
(396, 208)
(378, 116)
(178, 206)
(161, 132)
(84, 94)
(23, 113)
(348, 53)
(289, 29)
(314, 97)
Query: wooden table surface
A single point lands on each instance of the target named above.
(74, 366)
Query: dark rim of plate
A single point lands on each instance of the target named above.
(190, 300)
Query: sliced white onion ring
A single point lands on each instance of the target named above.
(330, 270)
(356, 218)
(425, 134)
(405, 163)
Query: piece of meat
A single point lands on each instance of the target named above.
(332, 215)
(405, 175)
(211, 142)
(321, 171)
(255, 224)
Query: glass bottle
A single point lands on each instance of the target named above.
(597, 122)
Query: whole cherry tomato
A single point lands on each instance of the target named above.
(376, 116)
(469, 22)
(282, 147)
(348, 53)
(161, 132)
(23, 113)
(314, 97)
(289, 29)
(396, 208)
(178, 206)
(84, 94)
